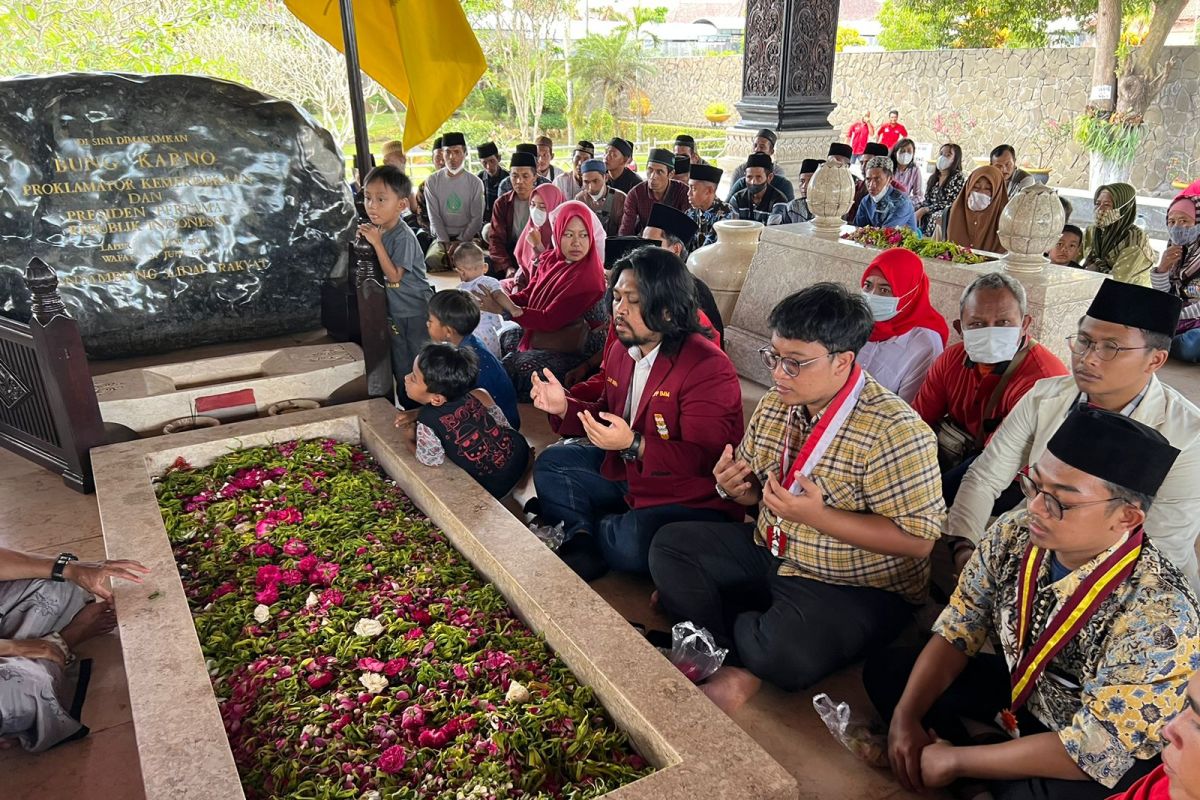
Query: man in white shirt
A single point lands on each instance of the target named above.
(1121, 343)
(455, 200)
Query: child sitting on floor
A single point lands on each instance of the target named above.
(454, 317)
(461, 423)
(472, 271)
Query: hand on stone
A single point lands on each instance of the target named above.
(372, 234)
(94, 576)
(406, 419)
(548, 394)
(804, 508)
(906, 739)
(616, 435)
(732, 474)
(34, 649)
(1170, 258)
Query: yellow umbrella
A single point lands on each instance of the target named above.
(422, 51)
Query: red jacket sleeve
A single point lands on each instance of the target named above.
(931, 402)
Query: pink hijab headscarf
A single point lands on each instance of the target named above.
(524, 251)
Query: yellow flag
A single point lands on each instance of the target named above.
(422, 51)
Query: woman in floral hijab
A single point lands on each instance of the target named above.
(1114, 244)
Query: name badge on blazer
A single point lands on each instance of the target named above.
(611, 380)
(660, 425)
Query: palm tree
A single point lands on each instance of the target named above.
(611, 64)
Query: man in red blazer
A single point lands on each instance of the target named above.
(668, 401)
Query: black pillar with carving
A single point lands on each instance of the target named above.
(787, 73)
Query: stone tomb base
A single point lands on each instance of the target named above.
(698, 751)
(791, 257)
(144, 400)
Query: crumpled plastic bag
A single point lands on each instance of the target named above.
(694, 652)
(857, 736)
(552, 536)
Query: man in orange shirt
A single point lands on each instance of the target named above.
(973, 385)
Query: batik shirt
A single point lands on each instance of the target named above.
(1111, 689)
(883, 461)
(706, 220)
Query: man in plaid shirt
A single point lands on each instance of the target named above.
(846, 478)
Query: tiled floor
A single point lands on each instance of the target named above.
(38, 513)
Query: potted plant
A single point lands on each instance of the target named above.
(1051, 135)
(717, 113)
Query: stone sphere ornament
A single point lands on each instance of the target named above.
(830, 193)
(1030, 225)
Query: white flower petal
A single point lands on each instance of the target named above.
(368, 627)
(262, 613)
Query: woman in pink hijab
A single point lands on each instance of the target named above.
(536, 236)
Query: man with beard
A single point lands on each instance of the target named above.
(668, 400)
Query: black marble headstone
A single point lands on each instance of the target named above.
(177, 210)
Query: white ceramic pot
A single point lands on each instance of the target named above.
(190, 424)
(723, 264)
(1030, 225)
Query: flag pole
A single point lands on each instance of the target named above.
(358, 115)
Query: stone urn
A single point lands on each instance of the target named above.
(830, 194)
(723, 264)
(1029, 226)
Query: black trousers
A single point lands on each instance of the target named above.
(790, 631)
(979, 693)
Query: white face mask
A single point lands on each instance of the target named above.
(978, 201)
(883, 307)
(454, 171)
(878, 197)
(596, 197)
(991, 345)
(904, 158)
(537, 216)
(944, 162)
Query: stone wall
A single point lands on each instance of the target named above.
(984, 97)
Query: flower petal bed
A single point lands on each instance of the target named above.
(356, 654)
(885, 238)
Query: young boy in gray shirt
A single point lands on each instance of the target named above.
(385, 196)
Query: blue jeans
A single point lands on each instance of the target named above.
(1186, 346)
(572, 491)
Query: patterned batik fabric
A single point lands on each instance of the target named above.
(1109, 692)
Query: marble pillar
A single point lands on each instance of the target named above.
(787, 81)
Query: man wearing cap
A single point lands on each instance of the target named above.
(705, 208)
(685, 145)
(673, 229)
(1095, 633)
(605, 201)
(657, 188)
(1119, 346)
(454, 202)
(492, 175)
(571, 183)
(758, 198)
(616, 160)
(666, 401)
(764, 142)
(797, 210)
(683, 169)
(511, 213)
(545, 159)
(532, 149)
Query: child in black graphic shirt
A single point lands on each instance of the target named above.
(459, 423)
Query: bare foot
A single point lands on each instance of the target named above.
(92, 620)
(730, 687)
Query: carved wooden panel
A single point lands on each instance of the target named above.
(811, 49)
(12, 390)
(764, 48)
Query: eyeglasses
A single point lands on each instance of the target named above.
(1082, 345)
(791, 367)
(1054, 507)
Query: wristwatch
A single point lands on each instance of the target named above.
(724, 495)
(60, 563)
(631, 453)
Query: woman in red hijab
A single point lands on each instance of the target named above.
(535, 237)
(909, 333)
(557, 311)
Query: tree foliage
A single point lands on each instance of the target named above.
(848, 37)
